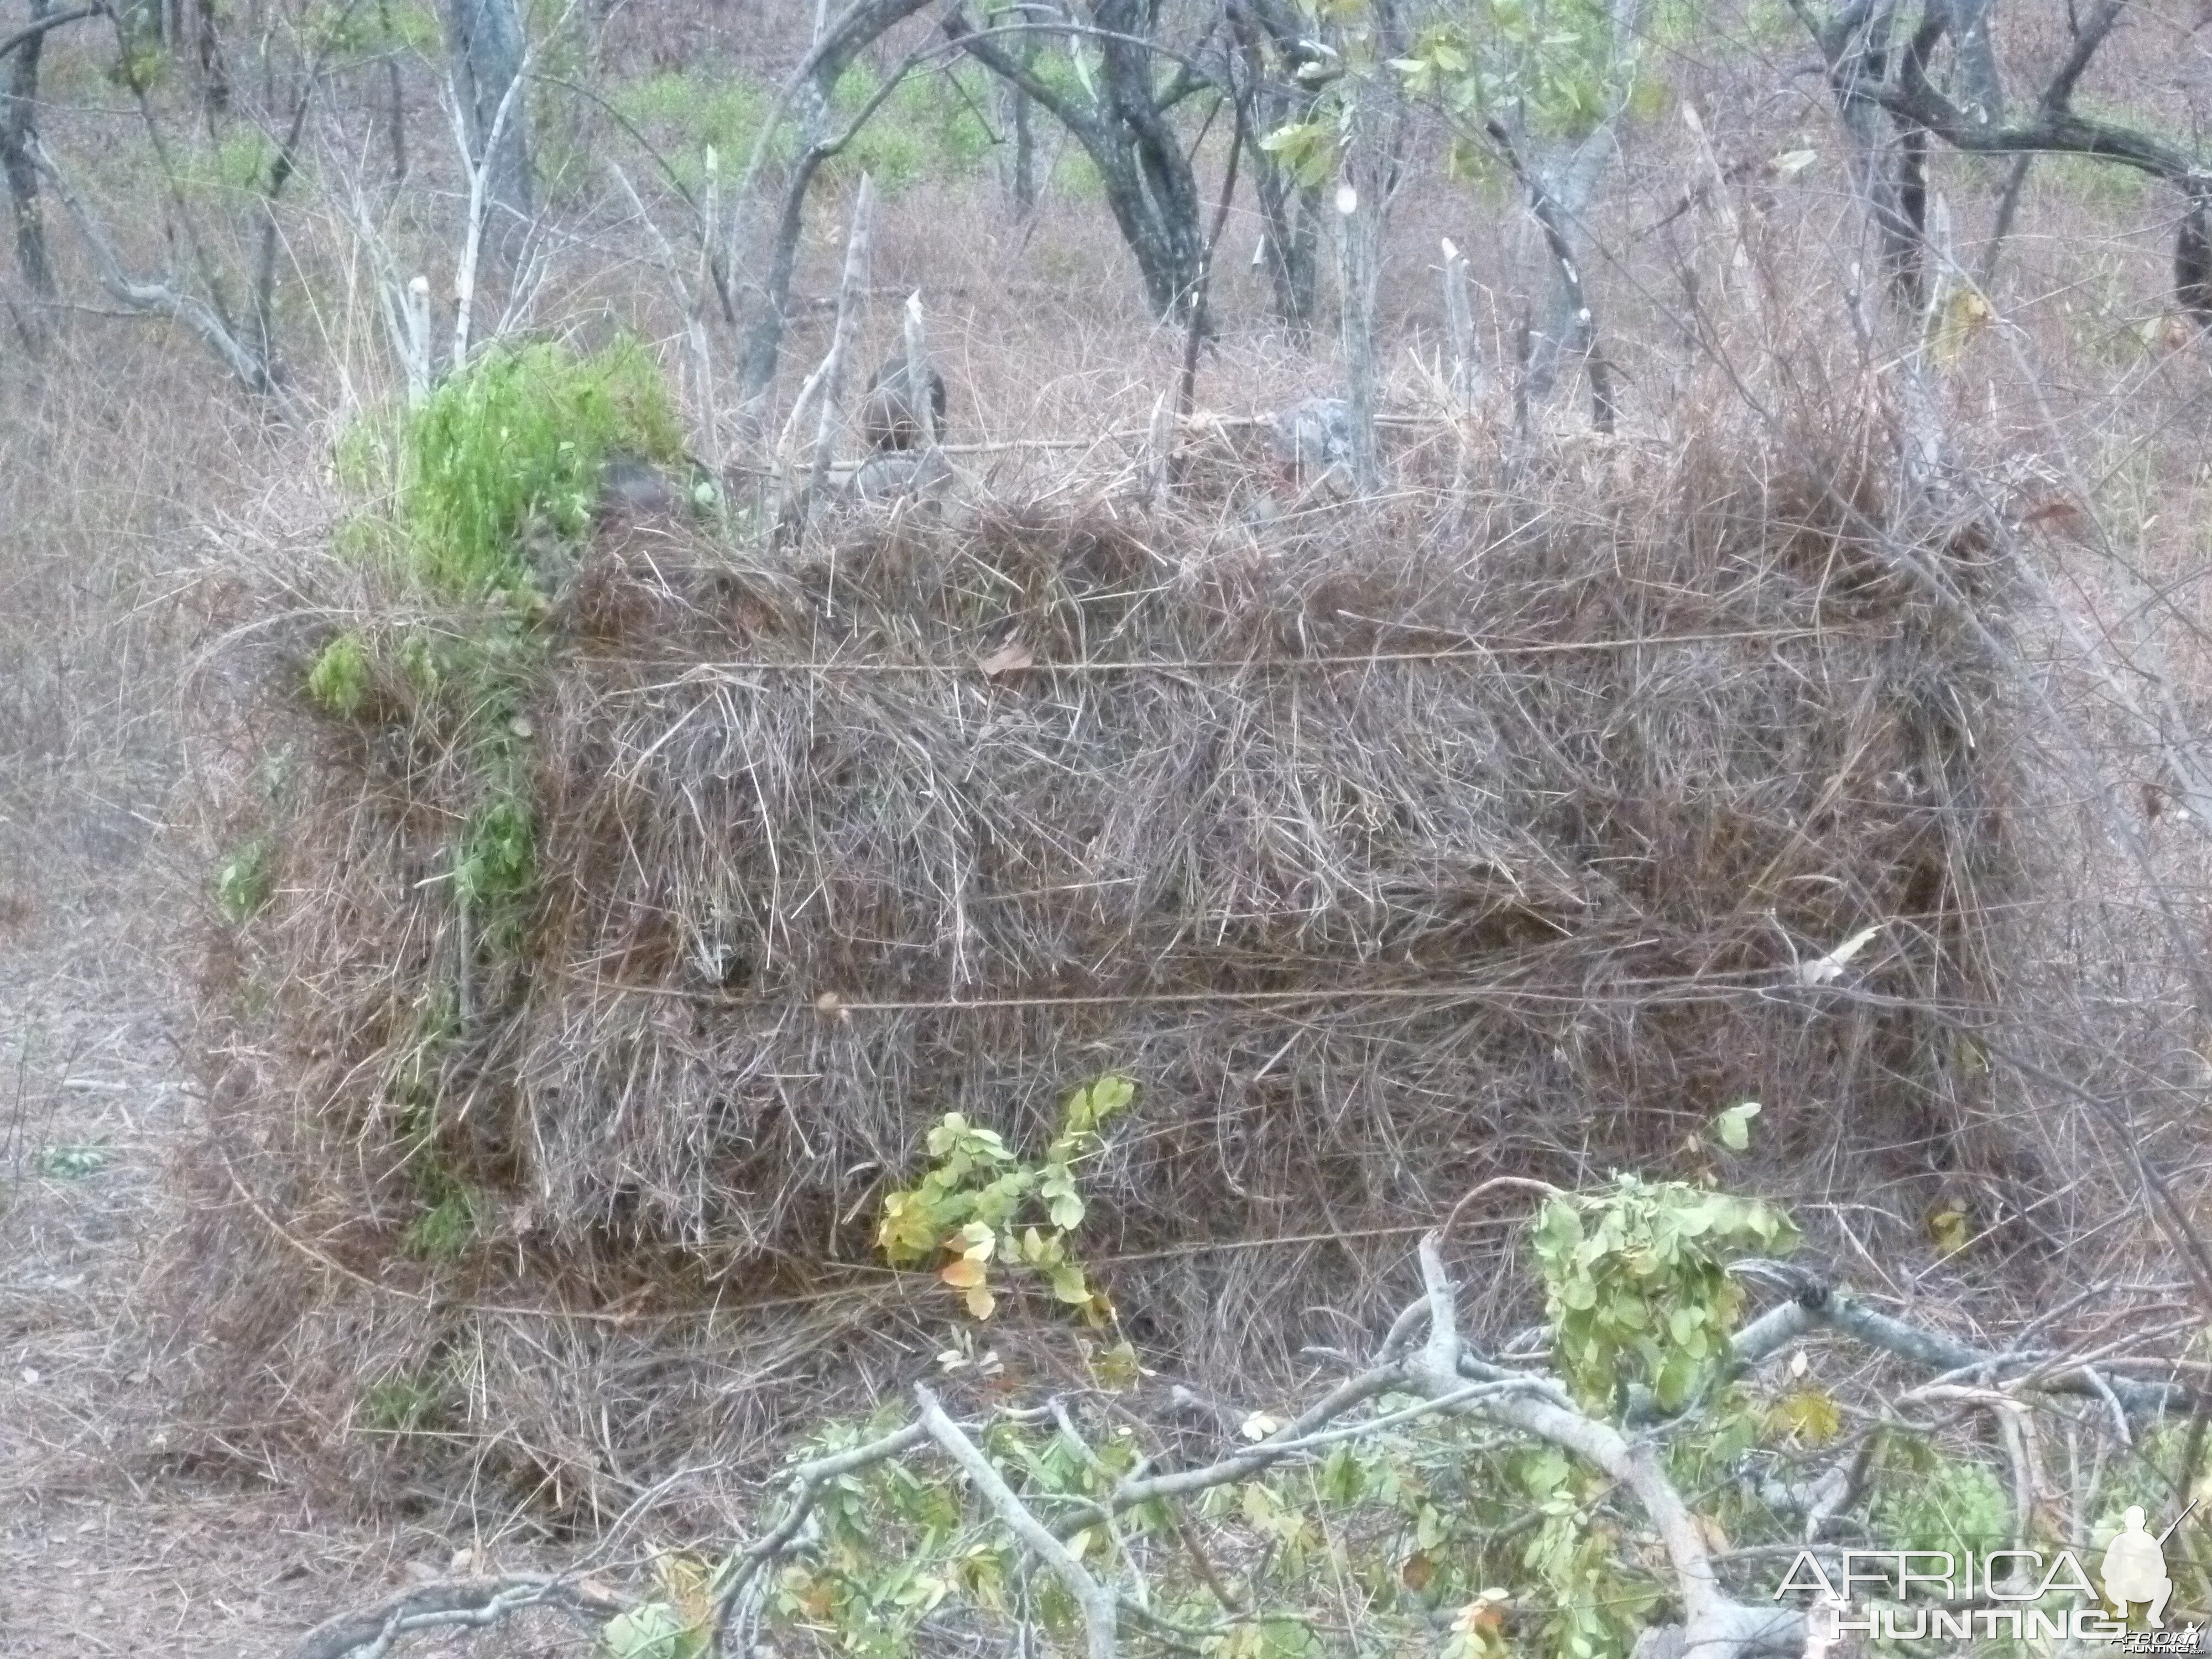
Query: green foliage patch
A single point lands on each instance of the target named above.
(520, 434)
(972, 1204)
(932, 126)
(342, 675)
(495, 870)
(242, 885)
(1637, 1287)
(444, 1230)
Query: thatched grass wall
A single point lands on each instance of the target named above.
(1389, 847)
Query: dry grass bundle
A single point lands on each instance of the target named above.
(602, 973)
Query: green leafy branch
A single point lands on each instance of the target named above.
(1434, 1491)
(977, 1203)
(1637, 1285)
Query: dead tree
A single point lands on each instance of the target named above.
(758, 306)
(19, 115)
(1125, 131)
(1892, 108)
(203, 296)
(485, 46)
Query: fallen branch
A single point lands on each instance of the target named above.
(1096, 1601)
(1816, 1304)
(1444, 1377)
(455, 1604)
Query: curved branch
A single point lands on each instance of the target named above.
(456, 1603)
(979, 44)
(45, 26)
(1097, 1603)
(201, 319)
(763, 342)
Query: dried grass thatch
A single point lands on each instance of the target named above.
(1393, 847)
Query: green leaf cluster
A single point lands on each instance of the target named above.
(1551, 65)
(1926, 1499)
(341, 29)
(498, 861)
(977, 1202)
(342, 675)
(243, 885)
(442, 1231)
(676, 1622)
(1637, 1285)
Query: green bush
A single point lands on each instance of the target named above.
(929, 128)
(932, 127)
(520, 434)
(344, 31)
(340, 679)
(499, 859)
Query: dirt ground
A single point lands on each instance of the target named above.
(109, 1544)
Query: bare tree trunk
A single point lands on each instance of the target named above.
(1979, 85)
(206, 50)
(1125, 131)
(1018, 112)
(1579, 334)
(1359, 203)
(18, 127)
(759, 301)
(485, 41)
(1290, 212)
(1466, 379)
(1856, 43)
(1565, 185)
(398, 110)
(1024, 137)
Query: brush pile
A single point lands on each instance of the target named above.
(594, 965)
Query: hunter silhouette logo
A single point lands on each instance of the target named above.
(2134, 1568)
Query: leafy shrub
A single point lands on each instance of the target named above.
(495, 871)
(1930, 1501)
(930, 127)
(341, 677)
(520, 434)
(341, 31)
(1637, 1285)
(977, 1193)
(409, 1401)
(694, 111)
(73, 1162)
